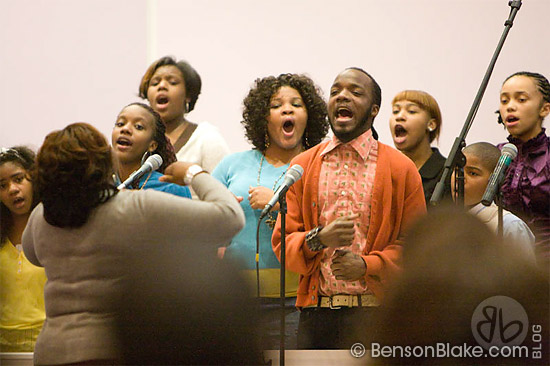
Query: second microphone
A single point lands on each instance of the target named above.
(294, 173)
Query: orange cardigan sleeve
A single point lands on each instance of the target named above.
(301, 217)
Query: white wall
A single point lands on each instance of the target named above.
(64, 60)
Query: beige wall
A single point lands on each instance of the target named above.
(64, 60)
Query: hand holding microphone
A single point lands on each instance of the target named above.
(508, 153)
(294, 173)
(152, 163)
(259, 196)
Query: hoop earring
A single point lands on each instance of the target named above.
(145, 156)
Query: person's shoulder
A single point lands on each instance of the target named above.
(207, 128)
(311, 153)
(130, 196)
(140, 200)
(395, 157)
(516, 227)
(247, 154)
(209, 136)
(38, 210)
(155, 184)
(177, 190)
(388, 150)
(133, 207)
(123, 197)
(36, 214)
(241, 158)
(511, 219)
(236, 163)
(437, 156)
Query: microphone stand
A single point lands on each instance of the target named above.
(498, 202)
(459, 179)
(282, 212)
(456, 159)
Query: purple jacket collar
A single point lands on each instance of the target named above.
(534, 147)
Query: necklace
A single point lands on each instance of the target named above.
(271, 217)
(146, 180)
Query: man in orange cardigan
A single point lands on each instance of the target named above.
(346, 219)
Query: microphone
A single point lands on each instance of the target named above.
(294, 173)
(153, 162)
(508, 153)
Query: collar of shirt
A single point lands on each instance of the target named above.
(475, 210)
(533, 148)
(362, 144)
(432, 167)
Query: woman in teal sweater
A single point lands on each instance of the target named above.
(282, 117)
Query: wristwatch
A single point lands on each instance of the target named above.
(191, 172)
(312, 240)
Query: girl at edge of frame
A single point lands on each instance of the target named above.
(524, 104)
(21, 282)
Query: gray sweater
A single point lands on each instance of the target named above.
(85, 266)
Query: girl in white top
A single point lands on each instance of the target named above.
(172, 88)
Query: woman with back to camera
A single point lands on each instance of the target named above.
(85, 232)
(415, 123)
(524, 103)
(282, 117)
(21, 282)
(172, 88)
(138, 134)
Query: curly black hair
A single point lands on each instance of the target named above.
(256, 109)
(164, 146)
(24, 157)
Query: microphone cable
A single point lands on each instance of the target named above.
(258, 258)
